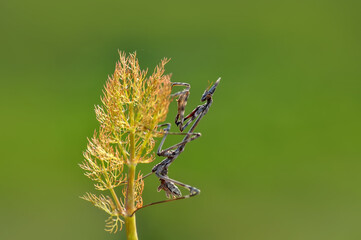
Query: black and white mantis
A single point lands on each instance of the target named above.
(171, 153)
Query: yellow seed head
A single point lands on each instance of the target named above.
(131, 103)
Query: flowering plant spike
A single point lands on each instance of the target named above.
(133, 106)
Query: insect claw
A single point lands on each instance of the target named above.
(194, 191)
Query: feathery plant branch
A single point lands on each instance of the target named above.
(132, 107)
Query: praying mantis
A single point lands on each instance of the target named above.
(171, 153)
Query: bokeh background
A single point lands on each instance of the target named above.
(280, 153)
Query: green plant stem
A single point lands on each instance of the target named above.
(116, 199)
(131, 228)
(130, 224)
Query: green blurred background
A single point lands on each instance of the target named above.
(280, 153)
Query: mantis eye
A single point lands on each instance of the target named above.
(204, 96)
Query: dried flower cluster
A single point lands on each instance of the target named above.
(133, 106)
